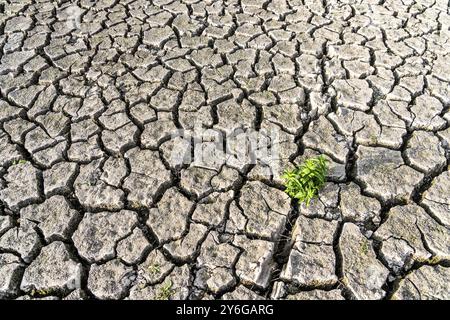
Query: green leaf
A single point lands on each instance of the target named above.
(305, 181)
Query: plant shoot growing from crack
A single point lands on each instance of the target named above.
(304, 182)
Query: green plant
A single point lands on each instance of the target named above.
(21, 161)
(40, 292)
(154, 269)
(364, 247)
(165, 291)
(305, 181)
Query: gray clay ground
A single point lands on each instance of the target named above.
(92, 207)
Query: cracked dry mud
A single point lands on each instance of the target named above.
(92, 205)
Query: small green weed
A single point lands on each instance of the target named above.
(154, 269)
(40, 292)
(166, 291)
(21, 161)
(365, 247)
(305, 181)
